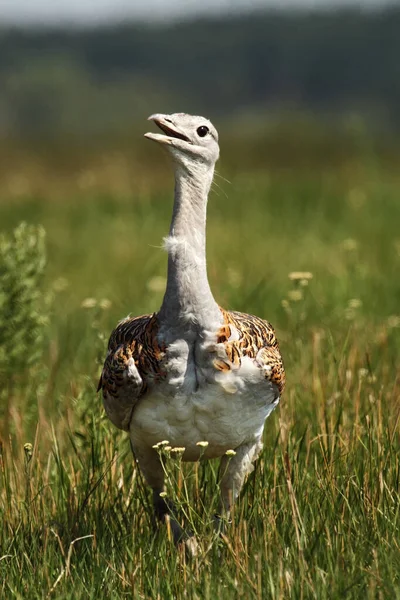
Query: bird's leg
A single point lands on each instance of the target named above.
(233, 471)
(152, 469)
(164, 510)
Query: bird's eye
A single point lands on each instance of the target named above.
(202, 131)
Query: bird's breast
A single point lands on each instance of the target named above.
(199, 403)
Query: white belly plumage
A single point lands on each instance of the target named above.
(224, 420)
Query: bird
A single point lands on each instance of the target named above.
(192, 372)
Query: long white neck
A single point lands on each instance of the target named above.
(188, 300)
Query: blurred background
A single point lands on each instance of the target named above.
(87, 68)
(80, 78)
(88, 74)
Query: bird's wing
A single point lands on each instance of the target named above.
(245, 335)
(131, 365)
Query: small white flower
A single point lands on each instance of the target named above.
(163, 494)
(230, 453)
(349, 244)
(355, 303)
(161, 444)
(295, 295)
(393, 321)
(300, 275)
(178, 450)
(202, 444)
(89, 303)
(28, 449)
(105, 304)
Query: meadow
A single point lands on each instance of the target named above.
(303, 229)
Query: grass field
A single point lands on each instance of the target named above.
(320, 515)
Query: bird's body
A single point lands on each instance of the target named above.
(217, 386)
(192, 372)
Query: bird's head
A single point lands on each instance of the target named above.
(192, 141)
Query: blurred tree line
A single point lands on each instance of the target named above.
(105, 78)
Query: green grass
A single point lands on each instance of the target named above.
(320, 515)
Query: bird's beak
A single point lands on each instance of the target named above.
(170, 131)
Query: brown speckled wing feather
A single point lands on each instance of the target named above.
(257, 340)
(131, 365)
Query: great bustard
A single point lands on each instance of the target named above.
(192, 371)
